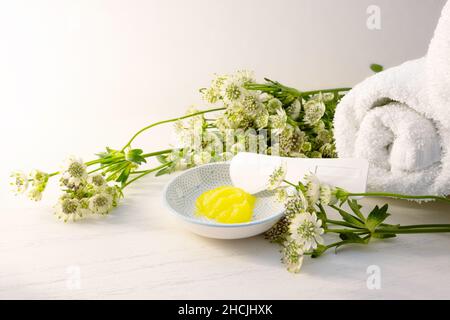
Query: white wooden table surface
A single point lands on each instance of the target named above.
(140, 252)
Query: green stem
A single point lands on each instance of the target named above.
(90, 163)
(146, 173)
(398, 196)
(168, 121)
(290, 183)
(138, 172)
(308, 93)
(362, 231)
(334, 245)
(413, 231)
(404, 230)
(417, 226)
(116, 171)
(341, 223)
(276, 86)
(95, 170)
(157, 153)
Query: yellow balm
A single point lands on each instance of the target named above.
(226, 205)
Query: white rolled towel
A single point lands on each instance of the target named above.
(399, 120)
(438, 68)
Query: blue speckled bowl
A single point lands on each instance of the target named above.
(181, 193)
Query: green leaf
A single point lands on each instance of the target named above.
(114, 167)
(164, 171)
(351, 237)
(123, 177)
(162, 158)
(349, 218)
(355, 207)
(376, 67)
(376, 217)
(135, 156)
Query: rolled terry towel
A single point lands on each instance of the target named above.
(438, 67)
(399, 120)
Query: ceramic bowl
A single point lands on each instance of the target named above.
(182, 191)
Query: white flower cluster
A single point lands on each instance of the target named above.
(198, 145)
(300, 231)
(244, 108)
(35, 183)
(295, 127)
(83, 193)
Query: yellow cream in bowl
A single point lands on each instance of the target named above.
(226, 204)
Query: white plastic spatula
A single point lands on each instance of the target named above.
(251, 171)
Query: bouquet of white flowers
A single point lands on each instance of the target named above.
(267, 118)
(301, 231)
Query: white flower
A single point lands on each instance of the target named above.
(306, 146)
(327, 195)
(264, 97)
(327, 96)
(324, 136)
(100, 203)
(296, 202)
(68, 208)
(211, 95)
(223, 123)
(281, 195)
(181, 164)
(38, 177)
(312, 188)
(73, 172)
(218, 82)
(294, 109)
(232, 90)
(277, 176)
(245, 76)
(115, 192)
(319, 127)
(251, 104)
(278, 122)
(35, 194)
(224, 156)
(261, 118)
(237, 117)
(181, 159)
(274, 106)
(237, 147)
(97, 180)
(291, 140)
(19, 182)
(190, 130)
(202, 158)
(314, 111)
(39, 181)
(292, 256)
(306, 231)
(328, 150)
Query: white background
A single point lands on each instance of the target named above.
(76, 76)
